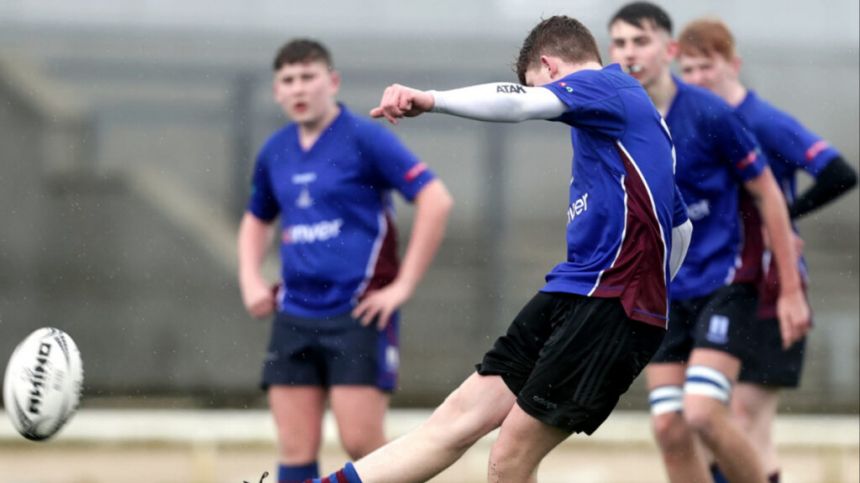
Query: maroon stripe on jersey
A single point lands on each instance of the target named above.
(816, 149)
(748, 160)
(387, 262)
(752, 247)
(415, 172)
(637, 276)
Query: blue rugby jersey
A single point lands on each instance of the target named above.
(337, 238)
(789, 147)
(622, 204)
(786, 143)
(715, 155)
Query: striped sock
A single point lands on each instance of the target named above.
(347, 474)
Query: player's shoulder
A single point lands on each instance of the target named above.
(705, 106)
(759, 113)
(610, 76)
(704, 99)
(281, 139)
(362, 128)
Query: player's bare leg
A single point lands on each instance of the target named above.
(522, 444)
(298, 412)
(360, 415)
(754, 407)
(679, 445)
(711, 420)
(477, 407)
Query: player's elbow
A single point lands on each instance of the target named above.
(443, 203)
(437, 197)
(519, 109)
(445, 200)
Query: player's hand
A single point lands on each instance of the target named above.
(258, 297)
(400, 101)
(381, 304)
(798, 245)
(793, 313)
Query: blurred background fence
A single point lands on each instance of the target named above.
(128, 131)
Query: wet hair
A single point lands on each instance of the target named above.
(301, 51)
(561, 36)
(638, 13)
(706, 38)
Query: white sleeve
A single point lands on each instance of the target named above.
(501, 102)
(681, 235)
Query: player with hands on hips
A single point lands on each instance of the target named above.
(328, 177)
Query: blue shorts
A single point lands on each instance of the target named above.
(330, 352)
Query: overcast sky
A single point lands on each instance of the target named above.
(797, 21)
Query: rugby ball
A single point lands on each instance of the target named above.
(42, 386)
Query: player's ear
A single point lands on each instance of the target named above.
(672, 49)
(549, 63)
(275, 82)
(335, 80)
(736, 63)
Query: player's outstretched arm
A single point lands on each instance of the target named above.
(792, 309)
(401, 101)
(254, 236)
(499, 102)
(432, 206)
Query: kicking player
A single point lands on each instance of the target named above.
(707, 58)
(328, 175)
(692, 375)
(582, 340)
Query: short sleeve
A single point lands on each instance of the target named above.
(738, 145)
(262, 203)
(592, 103)
(790, 142)
(398, 167)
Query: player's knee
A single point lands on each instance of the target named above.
(459, 423)
(505, 455)
(297, 450)
(745, 414)
(358, 446)
(706, 395)
(670, 431)
(666, 404)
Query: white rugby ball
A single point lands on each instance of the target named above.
(42, 386)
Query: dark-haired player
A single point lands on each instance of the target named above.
(708, 59)
(328, 175)
(719, 164)
(582, 340)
